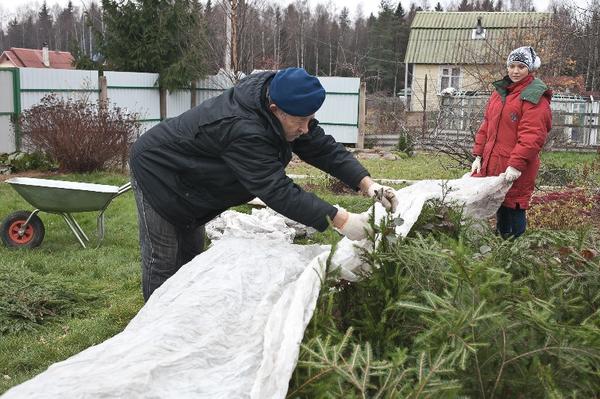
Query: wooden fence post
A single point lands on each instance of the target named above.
(194, 95)
(103, 91)
(362, 115)
(163, 103)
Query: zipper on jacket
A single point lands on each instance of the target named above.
(497, 126)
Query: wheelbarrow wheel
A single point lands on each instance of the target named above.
(30, 237)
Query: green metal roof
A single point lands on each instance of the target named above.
(445, 37)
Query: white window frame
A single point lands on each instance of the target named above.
(449, 76)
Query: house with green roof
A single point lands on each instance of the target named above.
(463, 52)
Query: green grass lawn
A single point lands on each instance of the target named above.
(80, 297)
(429, 166)
(104, 281)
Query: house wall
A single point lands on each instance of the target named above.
(472, 77)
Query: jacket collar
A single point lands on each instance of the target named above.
(505, 86)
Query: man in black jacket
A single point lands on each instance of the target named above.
(228, 150)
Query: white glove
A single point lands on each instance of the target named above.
(356, 226)
(476, 165)
(511, 174)
(384, 195)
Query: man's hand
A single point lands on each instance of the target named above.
(476, 165)
(355, 226)
(511, 174)
(385, 195)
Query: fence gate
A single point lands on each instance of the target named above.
(10, 106)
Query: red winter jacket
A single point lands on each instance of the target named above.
(516, 122)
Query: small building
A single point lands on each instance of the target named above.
(463, 52)
(34, 58)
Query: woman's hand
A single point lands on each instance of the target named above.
(476, 165)
(511, 174)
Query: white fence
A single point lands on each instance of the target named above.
(139, 93)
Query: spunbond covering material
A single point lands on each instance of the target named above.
(229, 324)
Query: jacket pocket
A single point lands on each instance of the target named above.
(197, 195)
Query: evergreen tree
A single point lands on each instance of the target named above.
(384, 34)
(44, 27)
(487, 5)
(15, 33)
(411, 12)
(28, 36)
(465, 5)
(3, 44)
(438, 7)
(163, 36)
(399, 13)
(499, 6)
(65, 24)
(344, 26)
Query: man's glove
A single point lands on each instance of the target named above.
(384, 195)
(356, 227)
(476, 165)
(511, 174)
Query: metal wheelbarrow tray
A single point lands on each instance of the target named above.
(25, 229)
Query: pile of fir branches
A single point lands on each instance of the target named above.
(454, 311)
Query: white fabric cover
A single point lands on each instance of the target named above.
(229, 324)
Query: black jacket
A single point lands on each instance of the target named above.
(228, 150)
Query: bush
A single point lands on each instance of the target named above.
(572, 208)
(460, 315)
(406, 143)
(22, 161)
(79, 135)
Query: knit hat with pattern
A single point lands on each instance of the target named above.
(525, 55)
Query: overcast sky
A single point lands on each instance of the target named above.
(368, 6)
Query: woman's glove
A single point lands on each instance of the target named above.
(476, 165)
(384, 195)
(355, 226)
(511, 174)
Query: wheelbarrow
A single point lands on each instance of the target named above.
(25, 229)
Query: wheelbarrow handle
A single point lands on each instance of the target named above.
(124, 188)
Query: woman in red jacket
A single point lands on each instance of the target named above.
(508, 143)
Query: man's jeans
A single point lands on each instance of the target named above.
(164, 247)
(511, 222)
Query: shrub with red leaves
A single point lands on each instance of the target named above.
(79, 135)
(567, 209)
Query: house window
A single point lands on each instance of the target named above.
(449, 77)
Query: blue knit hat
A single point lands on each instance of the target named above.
(296, 92)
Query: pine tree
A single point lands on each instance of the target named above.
(487, 5)
(66, 33)
(29, 40)
(172, 45)
(465, 5)
(399, 13)
(411, 12)
(499, 6)
(14, 36)
(438, 7)
(44, 27)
